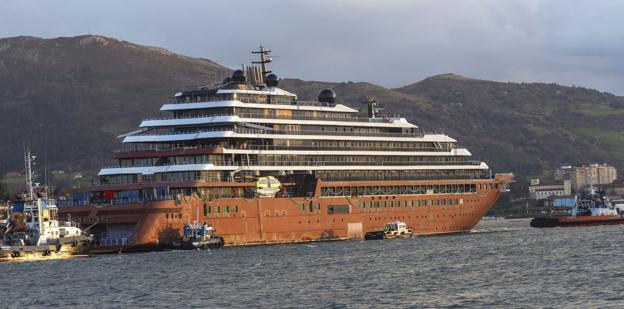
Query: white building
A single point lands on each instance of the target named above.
(543, 191)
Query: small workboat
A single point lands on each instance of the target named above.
(198, 236)
(392, 230)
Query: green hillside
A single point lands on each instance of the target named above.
(68, 98)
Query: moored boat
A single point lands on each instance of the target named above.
(33, 232)
(392, 230)
(587, 208)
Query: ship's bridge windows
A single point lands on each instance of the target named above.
(251, 98)
(119, 179)
(227, 96)
(338, 209)
(280, 99)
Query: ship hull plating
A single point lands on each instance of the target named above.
(240, 221)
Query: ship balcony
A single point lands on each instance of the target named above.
(252, 101)
(114, 201)
(220, 148)
(263, 116)
(418, 134)
(311, 163)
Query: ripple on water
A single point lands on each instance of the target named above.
(503, 263)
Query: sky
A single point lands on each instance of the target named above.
(389, 43)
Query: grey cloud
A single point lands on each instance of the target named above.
(391, 43)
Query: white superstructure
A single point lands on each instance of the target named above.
(248, 126)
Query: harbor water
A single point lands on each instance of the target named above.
(502, 263)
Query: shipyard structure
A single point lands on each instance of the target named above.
(259, 165)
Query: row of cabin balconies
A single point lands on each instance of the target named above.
(288, 117)
(242, 130)
(312, 163)
(249, 177)
(219, 148)
(246, 98)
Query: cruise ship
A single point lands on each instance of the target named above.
(261, 166)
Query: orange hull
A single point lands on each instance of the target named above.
(298, 219)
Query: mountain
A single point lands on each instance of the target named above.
(73, 96)
(68, 98)
(525, 127)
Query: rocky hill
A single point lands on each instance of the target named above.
(73, 96)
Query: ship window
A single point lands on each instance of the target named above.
(215, 209)
(338, 209)
(225, 209)
(234, 208)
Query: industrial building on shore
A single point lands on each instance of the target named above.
(569, 179)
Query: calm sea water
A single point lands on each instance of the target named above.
(501, 264)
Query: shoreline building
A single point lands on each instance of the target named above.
(601, 174)
(541, 191)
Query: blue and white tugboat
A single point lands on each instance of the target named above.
(587, 208)
(198, 236)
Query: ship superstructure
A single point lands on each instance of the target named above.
(207, 156)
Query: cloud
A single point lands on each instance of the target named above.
(391, 43)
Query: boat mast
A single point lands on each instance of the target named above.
(264, 59)
(372, 106)
(28, 162)
(588, 175)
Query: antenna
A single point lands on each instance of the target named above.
(45, 174)
(28, 162)
(372, 107)
(588, 175)
(264, 59)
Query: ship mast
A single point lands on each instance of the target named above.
(588, 175)
(372, 107)
(264, 59)
(28, 162)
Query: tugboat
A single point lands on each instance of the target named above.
(392, 230)
(198, 236)
(33, 232)
(589, 208)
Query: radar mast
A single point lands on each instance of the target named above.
(264, 59)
